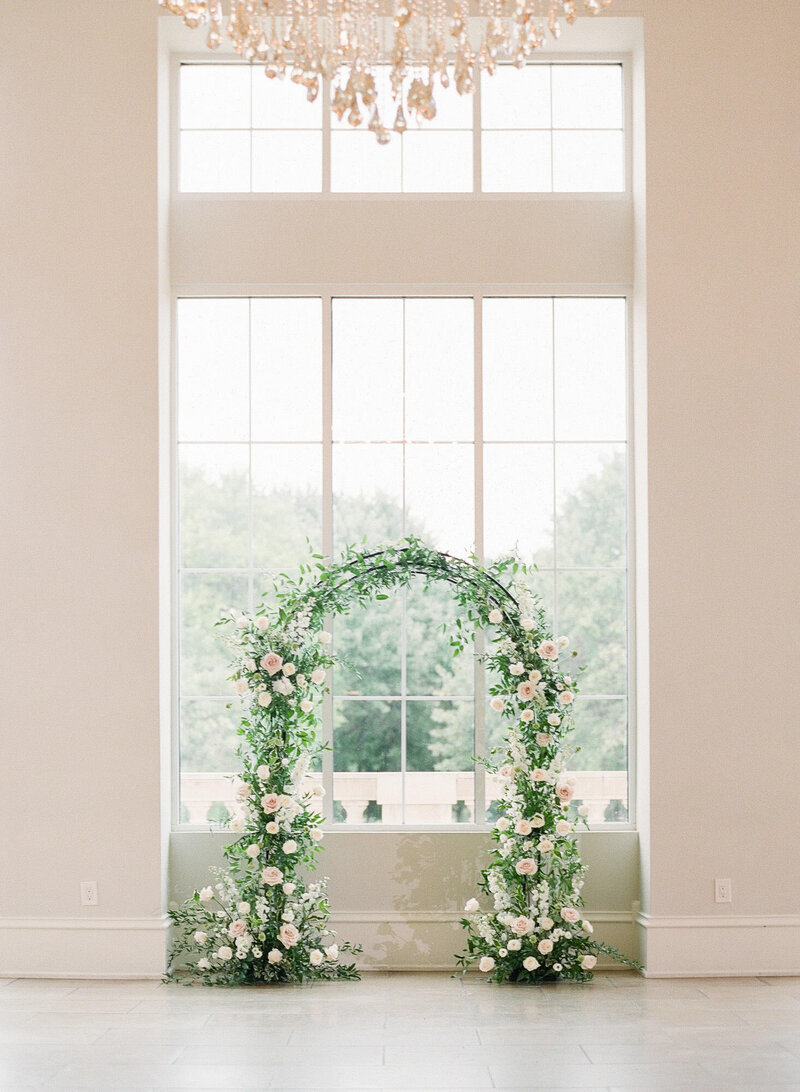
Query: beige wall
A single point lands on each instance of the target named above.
(78, 467)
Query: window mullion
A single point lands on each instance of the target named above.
(479, 802)
(327, 532)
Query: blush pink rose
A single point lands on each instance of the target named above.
(271, 876)
(563, 827)
(570, 914)
(521, 926)
(564, 792)
(237, 928)
(272, 663)
(525, 691)
(548, 650)
(526, 866)
(270, 802)
(566, 697)
(288, 935)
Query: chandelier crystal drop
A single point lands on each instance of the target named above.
(348, 42)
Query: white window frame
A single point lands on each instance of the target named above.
(562, 57)
(327, 293)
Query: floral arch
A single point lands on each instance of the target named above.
(261, 919)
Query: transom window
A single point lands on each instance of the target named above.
(550, 127)
(478, 422)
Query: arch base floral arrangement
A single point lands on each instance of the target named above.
(261, 921)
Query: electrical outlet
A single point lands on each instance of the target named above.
(722, 891)
(89, 893)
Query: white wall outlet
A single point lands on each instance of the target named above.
(89, 893)
(723, 891)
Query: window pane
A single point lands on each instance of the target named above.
(213, 368)
(587, 96)
(453, 111)
(367, 642)
(287, 503)
(367, 494)
(205, 660)
(360, 165)
(515, 162)
(516, 98)
(430, 665)
(281, 104)
(368, 369)
(287, 162)
(517, 369)
(439, 495)
(601, 732)
(367, 739)
(215, 161)
(215, 96)
(440, 784)
(590, 368)
(591, 514)
(592, 613)
(208, 746)
(437, 162)
(588, 162)
(439, 369)
(518, 500)
(286, 363)
(215, 504)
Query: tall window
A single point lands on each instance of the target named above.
(478, 422)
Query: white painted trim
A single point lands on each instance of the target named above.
(434, 916)
(160, 923)
(711, 921)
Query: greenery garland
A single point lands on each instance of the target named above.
(261, 921)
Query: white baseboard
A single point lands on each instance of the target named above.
(719, 946)
(83, 947)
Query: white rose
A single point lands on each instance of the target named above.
(527, 624)
(315, 957)
(287, 915)
(523, 827)
(225, 953)
(290, 846)
(271, 876)
(566, 697)
(242, 622)
(262, 772)
(546, 923)
(516, 669)
(526, 866)
(283, 686)
(503, 952)
(316, 834)
(203, 964)
(496, 704)
(554, 719)
(521, 926)
(332, 953)
(261, 622)
(471, 906)
(324, 637)
(570, 914)
(486, 964)
(545, 946)
(200, 937)
(300, 680)
(272, 827)
(545, 846)
(265, 700)
(243, 908)
(537, 820)
(206, 893)
(253, 850)
(241, 687)
(557, 967)
(526, 716)
(514, 945)
(289, 888)
(548, 650)
(587, 927)
(563, 642)
(588, 962)
(534, 676)
(495, 616)
(563, 827)
(502, 823)
(542, 739)
(237, 824)
(318, 676)
(288, 669)
(506, 771)
(530, 964)
(539, 774)
(306, 706)
(275, 956)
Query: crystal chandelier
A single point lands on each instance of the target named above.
(347, 42)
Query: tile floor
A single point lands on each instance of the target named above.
(403, 1031)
